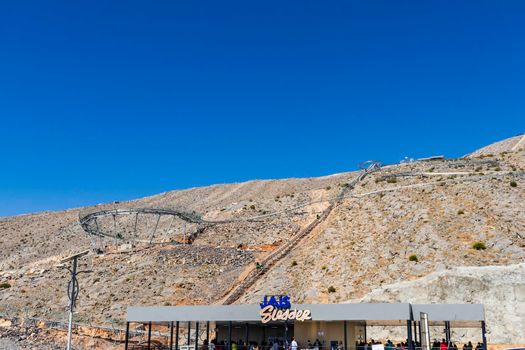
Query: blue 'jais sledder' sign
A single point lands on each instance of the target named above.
(277, 301)
(278, 308)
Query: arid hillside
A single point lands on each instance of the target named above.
(329, 239)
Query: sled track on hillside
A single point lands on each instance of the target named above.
(280, 253)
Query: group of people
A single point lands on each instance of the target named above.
(242, 345)
(317, 345)
(436, 345)
(469, 346)
(389, 345)
(442, 345)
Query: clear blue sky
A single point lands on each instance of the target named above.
(115, 100)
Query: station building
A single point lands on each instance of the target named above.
(336, 326)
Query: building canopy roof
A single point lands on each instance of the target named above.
(449, 312)
(381, 312)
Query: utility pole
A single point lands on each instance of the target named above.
(72, 291)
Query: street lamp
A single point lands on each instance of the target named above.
(72, 290)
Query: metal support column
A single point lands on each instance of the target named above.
(484, 335)
(171, 335)
(189, 334)
(207, 335)
(127, 336)
(230, 335)
(285, 335)
(447, 332)
(415, 333)
(409, 335)
(247, 335)
(196, 335)
(419, 332)
(425, 331)
(345, 337)
(149, 336)
(366, 341)
(176, 336)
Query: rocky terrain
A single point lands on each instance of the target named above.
(35, 336)
(407, 232)
(500, 288)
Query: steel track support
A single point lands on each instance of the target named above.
(169, 226)
(96, 224)
(154, 229)
(115, 227)
(136, 221)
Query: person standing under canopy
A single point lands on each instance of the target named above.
(293, 344)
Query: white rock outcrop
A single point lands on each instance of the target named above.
(501, 289)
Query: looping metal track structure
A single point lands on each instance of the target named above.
(91, 221)
(87, 219)
(104, 224)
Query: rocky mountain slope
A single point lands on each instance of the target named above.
(403, 223)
